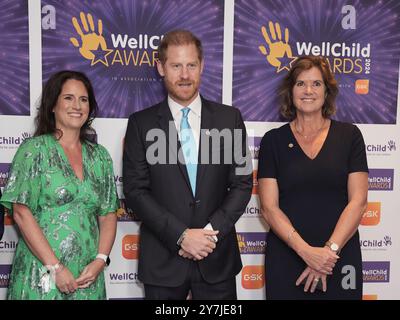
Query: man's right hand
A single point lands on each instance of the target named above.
(198, 243)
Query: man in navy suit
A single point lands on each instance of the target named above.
(190, 184)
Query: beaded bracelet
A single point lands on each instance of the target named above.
(56, 268)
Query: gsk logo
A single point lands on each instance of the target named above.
(362, 86)
(130, 246)
(253, 277)
(255, 183)
(372, 215)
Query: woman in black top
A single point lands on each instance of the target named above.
(313, 184)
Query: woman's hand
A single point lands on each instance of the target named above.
(320, 259)
(65, 281)
(90, 273)
(312, 278)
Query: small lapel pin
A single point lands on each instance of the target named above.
(290, 145)
(207, 132)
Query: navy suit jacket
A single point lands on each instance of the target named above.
(161, 196)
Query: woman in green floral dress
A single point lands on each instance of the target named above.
(62, 195)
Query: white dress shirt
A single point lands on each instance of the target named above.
(194, 118)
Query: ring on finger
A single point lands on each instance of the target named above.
(316, 279)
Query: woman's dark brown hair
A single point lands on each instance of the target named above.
(45, 120)
(287, 108)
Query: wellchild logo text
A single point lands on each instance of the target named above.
(376, 244)
(252, 242)
(381, 149)
(13, 142)
(376, 271)
(380, 179)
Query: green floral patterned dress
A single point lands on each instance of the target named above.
(65, 208)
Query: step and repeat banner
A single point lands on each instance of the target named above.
(115, 44)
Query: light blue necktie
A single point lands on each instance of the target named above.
(189, 148)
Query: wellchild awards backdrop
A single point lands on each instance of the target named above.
(249, 46)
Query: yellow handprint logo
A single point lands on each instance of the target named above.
(279, 51)
(93, 45)
(120, 212)
(241, 242)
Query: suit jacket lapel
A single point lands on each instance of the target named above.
(207, 121)
(164, 120)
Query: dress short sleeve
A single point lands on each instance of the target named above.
(109, 198)
(358, 156)
(24, 183)
(267, 164)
